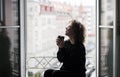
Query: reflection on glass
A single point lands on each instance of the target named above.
(4, 53)
(13, 35)
(106, 52)
(1, 10)
(15, 12)
(106, 12)
(11, 12)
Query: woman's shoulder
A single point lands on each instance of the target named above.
(81, 46)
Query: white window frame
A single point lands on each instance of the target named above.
(114, 39)
(22, 41)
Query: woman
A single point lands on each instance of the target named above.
(71, 53)
(5, 70)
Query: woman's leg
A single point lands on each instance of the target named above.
(48, 73)
(65, 73)
(62, 73)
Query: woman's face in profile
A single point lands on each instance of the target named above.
(69, 30)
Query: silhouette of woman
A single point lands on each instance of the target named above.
(71, 53)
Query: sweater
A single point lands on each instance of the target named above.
(73, 57)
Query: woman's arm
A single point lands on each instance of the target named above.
(61, 54)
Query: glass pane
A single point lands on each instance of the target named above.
(106, 12)
(106, 52)
(10, 50)
(10, 13)
(15, 51)
(1, 10)
(15, 12)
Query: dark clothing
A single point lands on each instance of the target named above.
(4, 56)
(61, 73)
(73, 59)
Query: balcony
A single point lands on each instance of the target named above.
(37, 65)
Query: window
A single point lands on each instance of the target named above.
(46, 19)
(106, 34)
(9, 17)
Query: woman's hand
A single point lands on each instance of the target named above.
(60, 42)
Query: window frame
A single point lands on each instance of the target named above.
(99, 26)
(22, 38)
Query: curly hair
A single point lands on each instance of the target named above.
(79, 31)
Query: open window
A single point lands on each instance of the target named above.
(46, 19)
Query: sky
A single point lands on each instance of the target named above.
(78, 2)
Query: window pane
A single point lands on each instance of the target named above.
(10, 12)
(106, 12)
(10, 49)
(106, 52)
(15, 12)
(15, 51)
(1, 10)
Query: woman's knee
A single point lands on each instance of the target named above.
(49, 70)
(60, 73)
(48, 73)
(55, 73)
